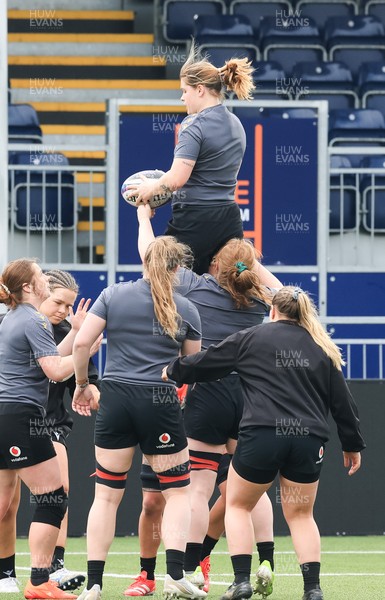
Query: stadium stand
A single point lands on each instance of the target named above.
(326, 81)
(291, 41)
(224, 36)
(179, 16)
(354, 40)
(373, 195)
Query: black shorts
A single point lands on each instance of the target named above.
(24, 439)
(59, 434)
(223, 468)
(149, 479)
(261, 454)
(213, 410)
(150, 416)
(205, 229)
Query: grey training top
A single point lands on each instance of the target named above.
(218, 314)
(216, 140)
(25, 336)
(138, 348)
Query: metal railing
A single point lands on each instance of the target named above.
(57, 212)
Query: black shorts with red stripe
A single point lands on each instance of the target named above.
(213, 410)
(150, 416)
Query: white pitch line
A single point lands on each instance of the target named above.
(160, 577)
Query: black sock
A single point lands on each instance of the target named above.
(192, 557)
(241, 567)
(266, 552)
(7, 567)
(174, 562)
(39, 576)
(95, 570)
(148, 565)
(310, 574)
(208, 545)
(58, 559)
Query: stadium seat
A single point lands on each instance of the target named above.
(23, 124)
(257, 10)
(375, 8)
(354, 40)
(271, 81)
(325, 81)
(373, 195)
(290, 41)
(179, 17)
(225, 36)
(360, 127)
(42, 199)
(344, 197)
(321, 10)
(371, 82)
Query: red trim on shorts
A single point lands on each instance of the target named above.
(167, 479)
(205, 464)
(103, 475)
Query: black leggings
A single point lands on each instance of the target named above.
(205, 229)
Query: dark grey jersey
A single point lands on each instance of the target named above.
(216, 140)
(218, 314)
(138, 348)
(25, 336)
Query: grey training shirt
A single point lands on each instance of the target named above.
(216, 140)
(218, 314)
(138, 348)
(25, 336)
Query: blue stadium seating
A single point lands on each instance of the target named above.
(290, 41)
(321, 10)
(23, 124)
(42, 199)
(354, 40)
(371, 82)
(179, 17)
(373, 195)
(325, 81)
(344, 198)
(257, 10)
(359, 127)
(375, 8)
(225, 36)
(270, 81)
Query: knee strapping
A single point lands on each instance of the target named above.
(109, 478)
(205, 460)
(178, 476)
(50, 507)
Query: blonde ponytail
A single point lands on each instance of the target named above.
(236, 75)
(163, 256)
(295, 304)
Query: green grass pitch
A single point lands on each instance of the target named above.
(352, 568)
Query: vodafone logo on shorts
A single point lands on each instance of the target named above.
(15, 451)
(165, 439)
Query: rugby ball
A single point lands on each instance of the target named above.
(135, 179)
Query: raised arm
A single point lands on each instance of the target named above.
(145, 232)
(266, 277)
